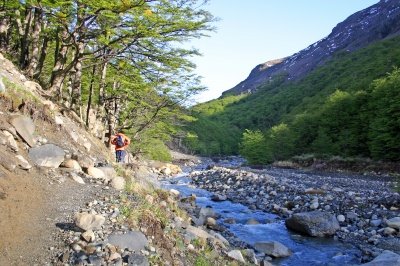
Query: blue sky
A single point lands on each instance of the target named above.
(254, 31)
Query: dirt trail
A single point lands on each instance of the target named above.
(36, 209)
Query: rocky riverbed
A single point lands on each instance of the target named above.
(365, 207)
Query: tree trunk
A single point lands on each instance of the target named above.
(89, 104)
(111, 108)
(4, 26)
(58, 73)
(43, 54)
(79, 50)
(103, 82)
(77, 84)
(24, 31)
(34, 58)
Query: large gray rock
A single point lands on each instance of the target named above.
(134, 240)
(48, 155)
(386, 258)
(25, 128)
(313, 223)
(273, 248)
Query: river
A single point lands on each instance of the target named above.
(306, 250)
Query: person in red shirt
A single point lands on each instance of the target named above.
(121, 142)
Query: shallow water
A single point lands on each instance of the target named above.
(307, 251)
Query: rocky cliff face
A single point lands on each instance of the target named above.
(374, 23)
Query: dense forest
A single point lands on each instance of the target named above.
(348, 107)
(120, 62)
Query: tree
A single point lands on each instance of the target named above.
(253, 147)
(384, 131)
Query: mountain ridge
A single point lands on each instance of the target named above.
(377, 22)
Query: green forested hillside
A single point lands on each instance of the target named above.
(350, 106)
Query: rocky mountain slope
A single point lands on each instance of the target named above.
(374, 23)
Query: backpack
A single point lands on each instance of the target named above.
(120, 141)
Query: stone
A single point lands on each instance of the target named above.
(118, 183)
(48, 155)
(211, 221)
(313, 223)
(388, 231)
(375, 223)
(133, 240)
(273, 248)
(314, 205)
(88, 236)
(252, 221)
(58, 120)
(218, 197)
(10, 141)
(236, 255)
(87, 145)
(166, 171)
(96, 172)
(88, 221)
(23, 163)
(174, 192)
(77, 178)
(109, 172)
(49, 105)
(197, 232)
(72, 164)
(394, 223)
(386, 258)
(25, 127)
(6, 162)
(137, 260)
(341, 218)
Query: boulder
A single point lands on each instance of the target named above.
(48, 155)
(236, 255)
(72, 164)
(87, 221)
(118, 183)
(218, 197)
(9, 140)
(273, 248)
(23, 163)
(77, 178)
(6, 162)
(108, 171)
(96, 172)
(394, 223)
(24, 127)
(313, 223)
(133, 240)
(386, 258)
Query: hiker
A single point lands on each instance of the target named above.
(121, 141)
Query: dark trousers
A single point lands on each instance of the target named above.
(119, 156)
